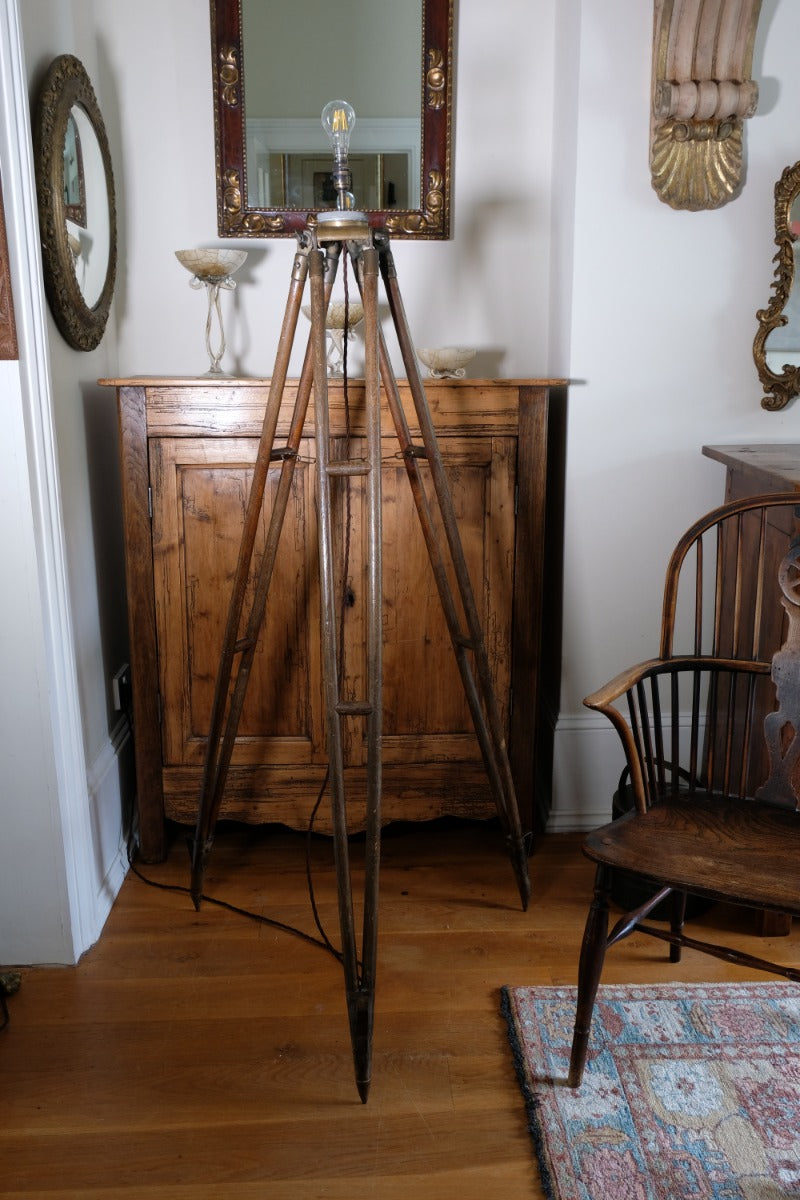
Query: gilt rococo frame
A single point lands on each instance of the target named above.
(235, 218)
(782, 388)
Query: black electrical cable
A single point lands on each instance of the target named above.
(234, 908)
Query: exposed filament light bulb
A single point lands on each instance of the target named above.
(338, 119)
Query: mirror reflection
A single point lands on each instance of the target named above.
(74, 179)
(86, 205)
(371, 55)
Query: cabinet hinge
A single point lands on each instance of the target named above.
(159, 707)
(516, 499)
(510, 703)
(150, 502)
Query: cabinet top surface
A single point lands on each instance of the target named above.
(206, 381)
(203, 407)
(779, 459)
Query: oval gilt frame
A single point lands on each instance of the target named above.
(65, 85)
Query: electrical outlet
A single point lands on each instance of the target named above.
(121, 687)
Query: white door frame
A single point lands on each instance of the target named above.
(71, 826)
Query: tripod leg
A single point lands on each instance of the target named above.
(478, 685)
(359, 984)
(369, 948)
(225, 712)
(329, 646)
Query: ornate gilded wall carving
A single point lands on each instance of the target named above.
(702, 94)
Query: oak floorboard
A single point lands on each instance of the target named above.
(201, 1054)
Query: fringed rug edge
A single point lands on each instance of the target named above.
(529, 1096)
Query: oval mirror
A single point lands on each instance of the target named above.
(272, 77)
(77, 207)
(776, 348)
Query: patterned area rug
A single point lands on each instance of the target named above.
(690, 1090)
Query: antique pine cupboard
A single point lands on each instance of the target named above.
(187, 448)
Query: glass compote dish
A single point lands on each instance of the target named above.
(335, 330)
(212, 269)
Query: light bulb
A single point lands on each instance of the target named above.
(338, 119)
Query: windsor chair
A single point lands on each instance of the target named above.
(716, 782)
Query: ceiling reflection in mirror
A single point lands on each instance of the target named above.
(370, 55)
(273, 75)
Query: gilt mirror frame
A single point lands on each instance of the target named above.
(783, 387)
(64, 87)
(236, 218)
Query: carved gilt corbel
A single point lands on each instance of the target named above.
(702, 94)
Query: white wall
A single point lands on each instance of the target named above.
(663, 320)
(35, 911)
(66, 759)
(563, 261)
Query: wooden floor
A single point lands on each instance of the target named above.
(194, 1055)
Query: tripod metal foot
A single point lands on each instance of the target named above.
(361, 1012)
(517, 852)
(199, 852)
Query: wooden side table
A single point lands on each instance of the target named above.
(757, 468)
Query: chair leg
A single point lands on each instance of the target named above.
(593, 952)
(677, 917)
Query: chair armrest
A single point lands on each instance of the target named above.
(622, 683)
(628, 679)
(661, 722)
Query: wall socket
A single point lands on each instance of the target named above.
(121, 687)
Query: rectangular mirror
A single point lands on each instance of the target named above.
(273, 74)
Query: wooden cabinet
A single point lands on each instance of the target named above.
(188, 447)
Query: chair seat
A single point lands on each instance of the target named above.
(744, 846)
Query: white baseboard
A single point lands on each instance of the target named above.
(109, 780)
(587, 761)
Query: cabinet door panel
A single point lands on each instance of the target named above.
(426, 717)
(201, 490)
